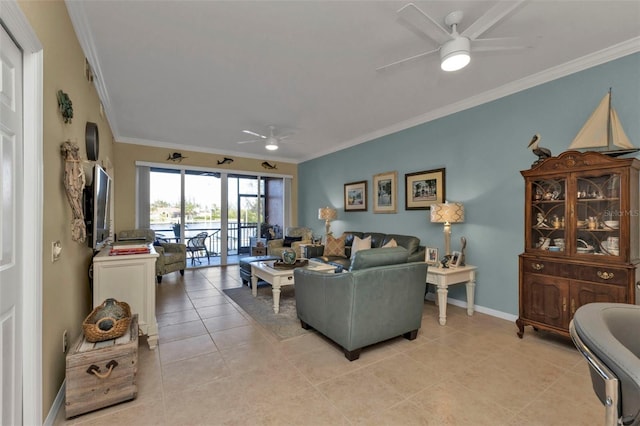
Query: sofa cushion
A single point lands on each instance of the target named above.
(377, 239)
(378, 257)
(407, 241)
(360, 244)
(389, 244)
(289, 240)
(349, 236)
(334, 246)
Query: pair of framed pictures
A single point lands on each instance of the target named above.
(422, 189)
(384, 195)
(431, 258)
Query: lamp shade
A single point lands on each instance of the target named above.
(447, 213)
(327, 213)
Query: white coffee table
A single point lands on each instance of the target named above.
(278, 278)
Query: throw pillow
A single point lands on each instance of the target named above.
(360, 244)
(391, 243)
(334, 246)
(290, 240)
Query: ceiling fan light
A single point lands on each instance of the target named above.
(271, 144)
(454, 54)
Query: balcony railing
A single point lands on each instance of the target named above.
(238, 238)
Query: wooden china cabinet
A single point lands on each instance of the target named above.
(582, 237)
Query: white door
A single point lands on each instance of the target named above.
(11, 189)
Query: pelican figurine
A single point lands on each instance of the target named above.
(542, 153)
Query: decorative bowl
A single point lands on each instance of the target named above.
(554, 248)
(581, 223)
(289, 257)
(613, 224)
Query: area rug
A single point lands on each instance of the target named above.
(284, 324)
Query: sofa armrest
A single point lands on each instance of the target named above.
(277, 243)
(324, 301)
(173, 247)
(419, 255)
(313, 251)
(295, 246)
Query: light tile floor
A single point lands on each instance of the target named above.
(214, 365)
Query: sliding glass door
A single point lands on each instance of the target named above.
(246, 210)
(231, 209)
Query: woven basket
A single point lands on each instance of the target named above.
(92, 331)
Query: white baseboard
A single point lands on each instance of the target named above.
(57, 404)
(476, 308)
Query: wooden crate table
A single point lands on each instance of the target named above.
(102, 374)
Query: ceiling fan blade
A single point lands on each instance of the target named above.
(494, 15)
(254, 134)
(285, 135)
(416, 17)
(489, 44)
(251, 141)
(411, 58)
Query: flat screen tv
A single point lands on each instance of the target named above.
(97, 211)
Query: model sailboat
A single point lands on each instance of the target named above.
(603, 132)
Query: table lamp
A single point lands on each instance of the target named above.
(327, 214)
(447, 213)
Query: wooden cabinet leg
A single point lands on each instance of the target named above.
(520, 325)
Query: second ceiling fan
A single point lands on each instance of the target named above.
(271, 142)
(455, 48)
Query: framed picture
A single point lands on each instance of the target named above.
(355, 196)
(385, 192)
(431, 256)
(456, 256)
(423, 189)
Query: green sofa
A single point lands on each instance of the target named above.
(410, 243)
(380, 297)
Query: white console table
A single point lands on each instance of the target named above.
(132, 279)
(442, 278)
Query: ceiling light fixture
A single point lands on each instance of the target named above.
(271, 144)
(454, 54)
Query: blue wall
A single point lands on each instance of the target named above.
(483, 150)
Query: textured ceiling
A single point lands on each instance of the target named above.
(193, 74)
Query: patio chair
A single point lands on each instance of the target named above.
(197, 245)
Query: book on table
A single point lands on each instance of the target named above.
(124, 249)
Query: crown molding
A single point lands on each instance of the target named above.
(194, 148)
(83, 34)
(603, 56)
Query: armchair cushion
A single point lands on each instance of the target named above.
(277, 246)
(289, 240)
(146, 235)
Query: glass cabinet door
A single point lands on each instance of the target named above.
(548, 215)
(598, 215)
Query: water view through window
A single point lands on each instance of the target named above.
(230, 228)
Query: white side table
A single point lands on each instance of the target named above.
(442, 278)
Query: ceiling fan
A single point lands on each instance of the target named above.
(455, 48)
(271, 142)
